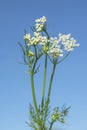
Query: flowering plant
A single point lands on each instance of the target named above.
(54, 49)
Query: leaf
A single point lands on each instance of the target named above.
(23, 50)
(37, 69)
(25, 31)
(65, 110)
(33, 29)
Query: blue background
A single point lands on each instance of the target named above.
(70, 81)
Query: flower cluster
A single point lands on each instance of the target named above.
(59, 115)
(55, 47)
(68, 42)
(40, 24)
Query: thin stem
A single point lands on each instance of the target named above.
(35, 58)
(63, 58)
(51, 80)
(49, 91)
(47, 34)
(51, 124)
(44, 81)
(45, 71)
(32, 81)
(33, 92)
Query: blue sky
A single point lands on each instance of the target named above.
(70, 82)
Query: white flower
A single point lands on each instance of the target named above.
(43, 40)
(37, 39)
(34, 41)
(27, 36)
(39, 27)
(68, 42)
(40, 23)
(55, 52)
(54, 41)
(36, 34)
(64, 37)
(70, 46)
(41, 20)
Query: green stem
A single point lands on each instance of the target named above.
(63, 58)
(51, 80)
(47, 34)
(51, 126)
(32, 81)
(35, 62)
(33, 93)
(49, 92)
(44, 81)
(45, 71)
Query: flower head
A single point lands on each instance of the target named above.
(41, 20)
(68, 42)
(27, 37)
(54, 48)
(30, 53)
(40, 24)
(55, 52)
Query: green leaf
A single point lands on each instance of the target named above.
(23, 50)
(33, 29)
(65, 110)
(37, 69)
